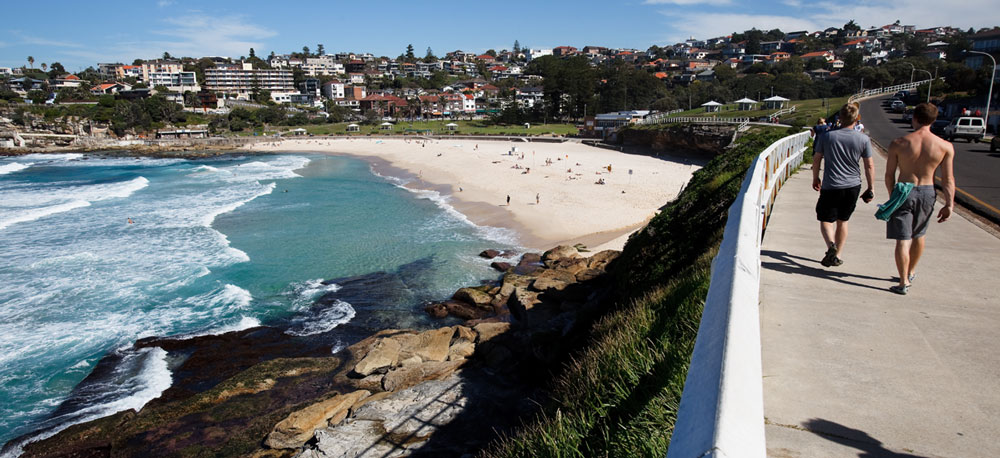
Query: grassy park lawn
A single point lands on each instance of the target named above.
(806, 111)
(426, 127)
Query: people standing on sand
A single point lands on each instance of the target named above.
(508, 200)
(537, 198)
(917, 155)
(842, 150)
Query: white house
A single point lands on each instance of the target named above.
(536, 53)
(469, 103)
(333, 89)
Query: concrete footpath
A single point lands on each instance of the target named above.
(853, 370)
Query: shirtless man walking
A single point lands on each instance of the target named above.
(917, 156)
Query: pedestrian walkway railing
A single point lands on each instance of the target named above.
(783, 111)
(869, 93)
(722, 409)
(655, 117)
(695, 119)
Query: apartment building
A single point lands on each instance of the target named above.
(242, 79)
(175, 81)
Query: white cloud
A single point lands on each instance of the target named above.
(193, 35)
(921, 13)
(165, 3)
(40, 41)
(721, 24)
(866, 13)
(687, 2)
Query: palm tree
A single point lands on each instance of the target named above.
(44, 66)
(31, 61)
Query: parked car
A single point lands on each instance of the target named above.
(898, 106)
(937, 128)
(967, 127)
(995, 144)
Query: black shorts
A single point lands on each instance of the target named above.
(837, 204)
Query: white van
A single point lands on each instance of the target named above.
(969, 128)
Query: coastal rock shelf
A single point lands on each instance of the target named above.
(436, 392)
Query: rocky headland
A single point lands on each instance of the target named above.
(446, 391)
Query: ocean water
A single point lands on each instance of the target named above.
(98, 252)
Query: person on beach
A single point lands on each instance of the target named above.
(538, 198)
(508, 200)
(843, 150)
(917, 155)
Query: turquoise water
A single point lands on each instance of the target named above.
(98, 252)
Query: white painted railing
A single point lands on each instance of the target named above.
(655, 117)
(722, 409)
(782, 111)
(869, 93)
(696, 119)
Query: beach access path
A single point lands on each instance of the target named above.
(851, 369)
(556, 202)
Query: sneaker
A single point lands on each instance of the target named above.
(830, 255)
(901, 290)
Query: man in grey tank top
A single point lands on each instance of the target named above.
(843, 150)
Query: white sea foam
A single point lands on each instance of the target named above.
(336, 314)
(31, 204)
(12, 217)
(151, 377)
(13, 167)
(246, 322)
(39, 157)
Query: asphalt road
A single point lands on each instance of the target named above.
(977, 170)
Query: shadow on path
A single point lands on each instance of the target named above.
(781, 261)
(868, 446)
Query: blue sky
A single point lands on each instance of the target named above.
(80, 34)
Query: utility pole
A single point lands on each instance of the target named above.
(989, 95)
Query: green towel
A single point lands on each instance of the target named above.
(898, 196)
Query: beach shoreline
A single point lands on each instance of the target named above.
(557, 202)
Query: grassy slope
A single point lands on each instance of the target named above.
(437, 128)
(619, 396)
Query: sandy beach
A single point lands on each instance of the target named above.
(557, 202)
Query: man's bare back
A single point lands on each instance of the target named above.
(917, 155)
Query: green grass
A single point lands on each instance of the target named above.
(436, 128)
(806, 111)
(619, 396)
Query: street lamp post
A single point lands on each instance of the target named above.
(912, 68)
(928, 84)
(993, 76)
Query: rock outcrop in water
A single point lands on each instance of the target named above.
(438, 392)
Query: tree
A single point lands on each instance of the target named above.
(320, 50)
(305, 51)
(410, 57)
(166, 55)
(252, 53)
(851, 26)
(517, 49)
(44, 66)
(31, 61)
(37, 96)
(491, 52)
(429, 56)
(852, 61)
(56, 69)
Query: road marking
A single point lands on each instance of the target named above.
(974, 198)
